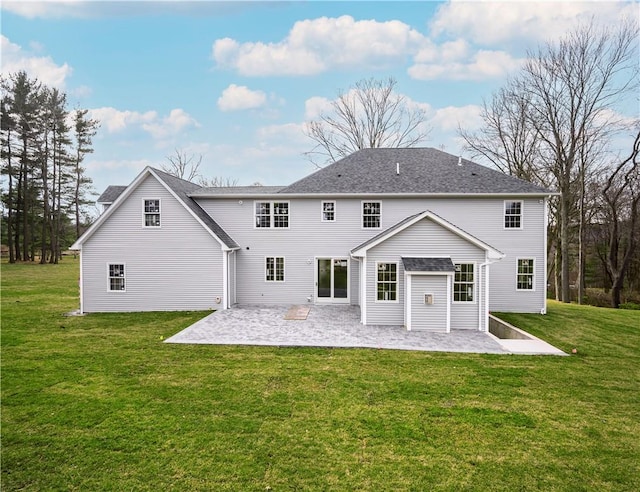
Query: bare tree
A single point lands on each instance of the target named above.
(554, 119)
(217, 182)
(182, 165)
(621, 195)
(369, 115)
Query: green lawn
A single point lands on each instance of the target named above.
(100, 403)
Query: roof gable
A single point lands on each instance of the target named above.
(180, 190)
(361, 250)
(409, 171)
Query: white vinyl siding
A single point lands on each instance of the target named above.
(431, 317)
(151, 213)
(308, 237)
(177, 268)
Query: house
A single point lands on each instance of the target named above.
(415, 237)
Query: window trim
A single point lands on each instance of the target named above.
(275, 269)
(532, 274)
(272, 214)
(109, 277)
(362, 202)
(397, 282)
(145, 213)
(475, 283)
(504, 215)
(322, 218)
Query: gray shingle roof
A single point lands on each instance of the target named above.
(238, 190)
(183, 189)
(421, 171)
(428, 264)
(111, 193)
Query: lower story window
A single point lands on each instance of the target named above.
(274, 269)
(116, 277)
(525, 274)
(387, 282)
(463, 282)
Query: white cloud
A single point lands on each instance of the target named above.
(94, 165)
(43, 68)
(171, 125)
(115, 121)
(493, 23)
(236, 98)
(483, 64)
(316, 106)
(315, 46)
(451, 117)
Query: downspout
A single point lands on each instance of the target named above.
(225, 278)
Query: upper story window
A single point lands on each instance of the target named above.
(371, 215)
(116, 277)
(525, 275)
(464, 282)
(272, 214)
(513, 215)
(387, 282)
(151, 213)
(328, 211)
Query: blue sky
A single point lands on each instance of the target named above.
(236, 81)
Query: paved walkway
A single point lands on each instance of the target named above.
(325, 326)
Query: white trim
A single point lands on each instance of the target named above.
(362, 227)
(546, 259)
(407, 299)
(125, 194)
(504, 215)
(533, 275)
(124, 267)
(225, 278)
(449, 299)
(81, 286)
(375, 275)
(335, 209)
(275, 269)
(493, 253)
(145, 213)
(363, 290)
(486, 310)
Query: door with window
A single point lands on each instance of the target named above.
(332, 280)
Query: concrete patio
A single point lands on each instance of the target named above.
(336, 326)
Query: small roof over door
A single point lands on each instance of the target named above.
(426, 264)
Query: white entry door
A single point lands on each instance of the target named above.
(332, 280)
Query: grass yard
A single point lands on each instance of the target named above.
(100, 403)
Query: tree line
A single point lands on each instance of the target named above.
(45, 187)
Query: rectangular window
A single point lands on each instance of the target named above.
(371, 215)
(272, 214)
(525, 274)
(463, 283)
(116, 277)
(152, 213)
(387, 282)
(513, 215)
(274, 269)
(328, 211)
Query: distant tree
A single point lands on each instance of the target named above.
(84, 130)
(187, 166)
(621, 207)
(369, 115)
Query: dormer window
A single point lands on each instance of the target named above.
(151, 215)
